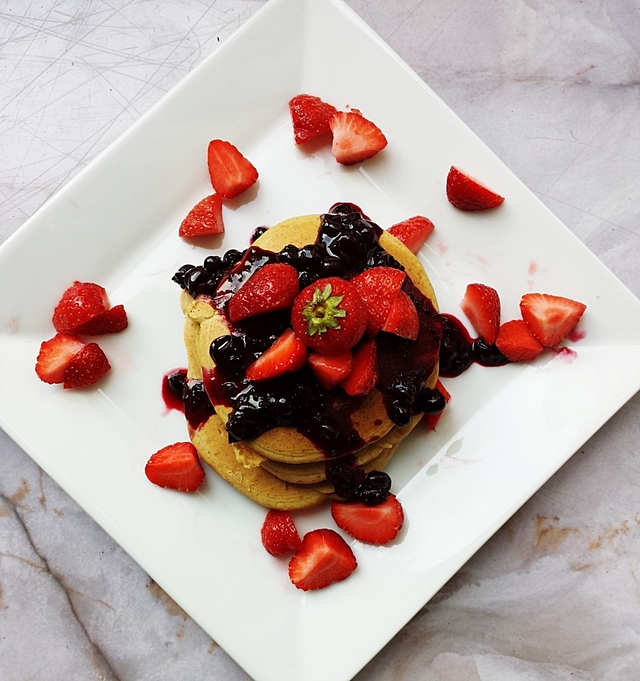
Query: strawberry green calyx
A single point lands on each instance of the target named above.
(322, 312)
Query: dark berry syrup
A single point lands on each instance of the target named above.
(173, 384)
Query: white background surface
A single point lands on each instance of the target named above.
(553, 89)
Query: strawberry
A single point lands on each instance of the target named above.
(378, 288)
(79, 304)
(550, 318)
(516, 342)
(431, 420)
(413, 232)
(403, 319)
(377, 524)
(86, 367)
(112, 320)
(354, 137)
(279, 534)
(286, 355)
(55, 355)
(330, 370)
(466, 193)
(204, 219)
(323, 558)
(329, 316)
(231, 173)
(364, 370)
(272, 287)
(176, 466)
(310, 117)
(481, 304)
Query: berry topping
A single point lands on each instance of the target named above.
(86, 367)
(403, 319)
(112, 320)
(354, 137)
(273, 287)
(286, 355)
(466, 193)
(481, 304)
(330, 370)
(550, 318)
(516, 342)
(323, 558)
(176, 466)
(413, 232)
(364, 370)
(377, 524)
(231, 173)
(55, 355)
(310, 117)
(79, 304)
(374, 488)
(378, 287)
(279, 534)
(432, 415)
(204, 219)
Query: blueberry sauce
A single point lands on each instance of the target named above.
(173, 384)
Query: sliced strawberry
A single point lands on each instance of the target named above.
(55, 355)
(79, 304)
(377, 524)
(481, 304)
(272, 287)
(330, 370)
(323, 558)
(279, 534)
(86, 367)
(287, 354)
(310, 117)
(431, 420)
(467, 193)
(113, 320)
(204, 219)
(550, 318)
(354, 137)
(231, 173)
(378, 288)
(364, 370)
(403, 319)
(176, 466)
(413, 232)
(516, 342)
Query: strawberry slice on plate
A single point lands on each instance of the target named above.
(79, 304)
(55, 355)
(230, 172)
(377, 524)
(86, 367)
(310, 117)
(279, 534)
(481, 305)
(550, 318)
(516, 342)
(176, 466)
(204, 219)
(112, 320)
(286, 355)
(412, 232)
(355, 138)
(468, 194)
(323, 558)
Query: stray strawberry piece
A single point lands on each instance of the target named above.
(516, 342)
(176, 466)
(324, 558)
(403, 318)
(377, 524)
(468, 194)
(550, 318)
(113, 320)
(204, 219)
(310, 117)
(86, 367)
(364, 370)
(55, 355)
(272, 287)
(355, 138)
(279, 534)
(481, 304)
(286, 355)
(378, 288)
(330, 370)
(431, 420)
(231, 173)
(79, 304)
(412, 232)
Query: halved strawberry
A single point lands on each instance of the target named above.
(323, 558)
(481, 304)
(55, 355)
(204, 219)
(86, 367)
(113, 320)
(230, 172)
(355, 138)
(550, 318)
(310, 117)
(330, 370)
(364, 370)
(79, 304)
(279, 534)
(467, 193)
(431, 420)
(377, 524)
(176, 466)
(516, 342)
(272, 287)
(413, 232)
(378, 288)
(287, 354)
(403, 319)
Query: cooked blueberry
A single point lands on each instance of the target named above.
(178, 277)
(232, 257)
(374, 489)
(176, 383)
(257, 233)
(213, 263)
(228, 353)
(289, 255)
(430, 401)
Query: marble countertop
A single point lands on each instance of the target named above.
(553, 87)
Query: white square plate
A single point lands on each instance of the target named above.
(506, 431)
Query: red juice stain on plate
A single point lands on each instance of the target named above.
(173, 383)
